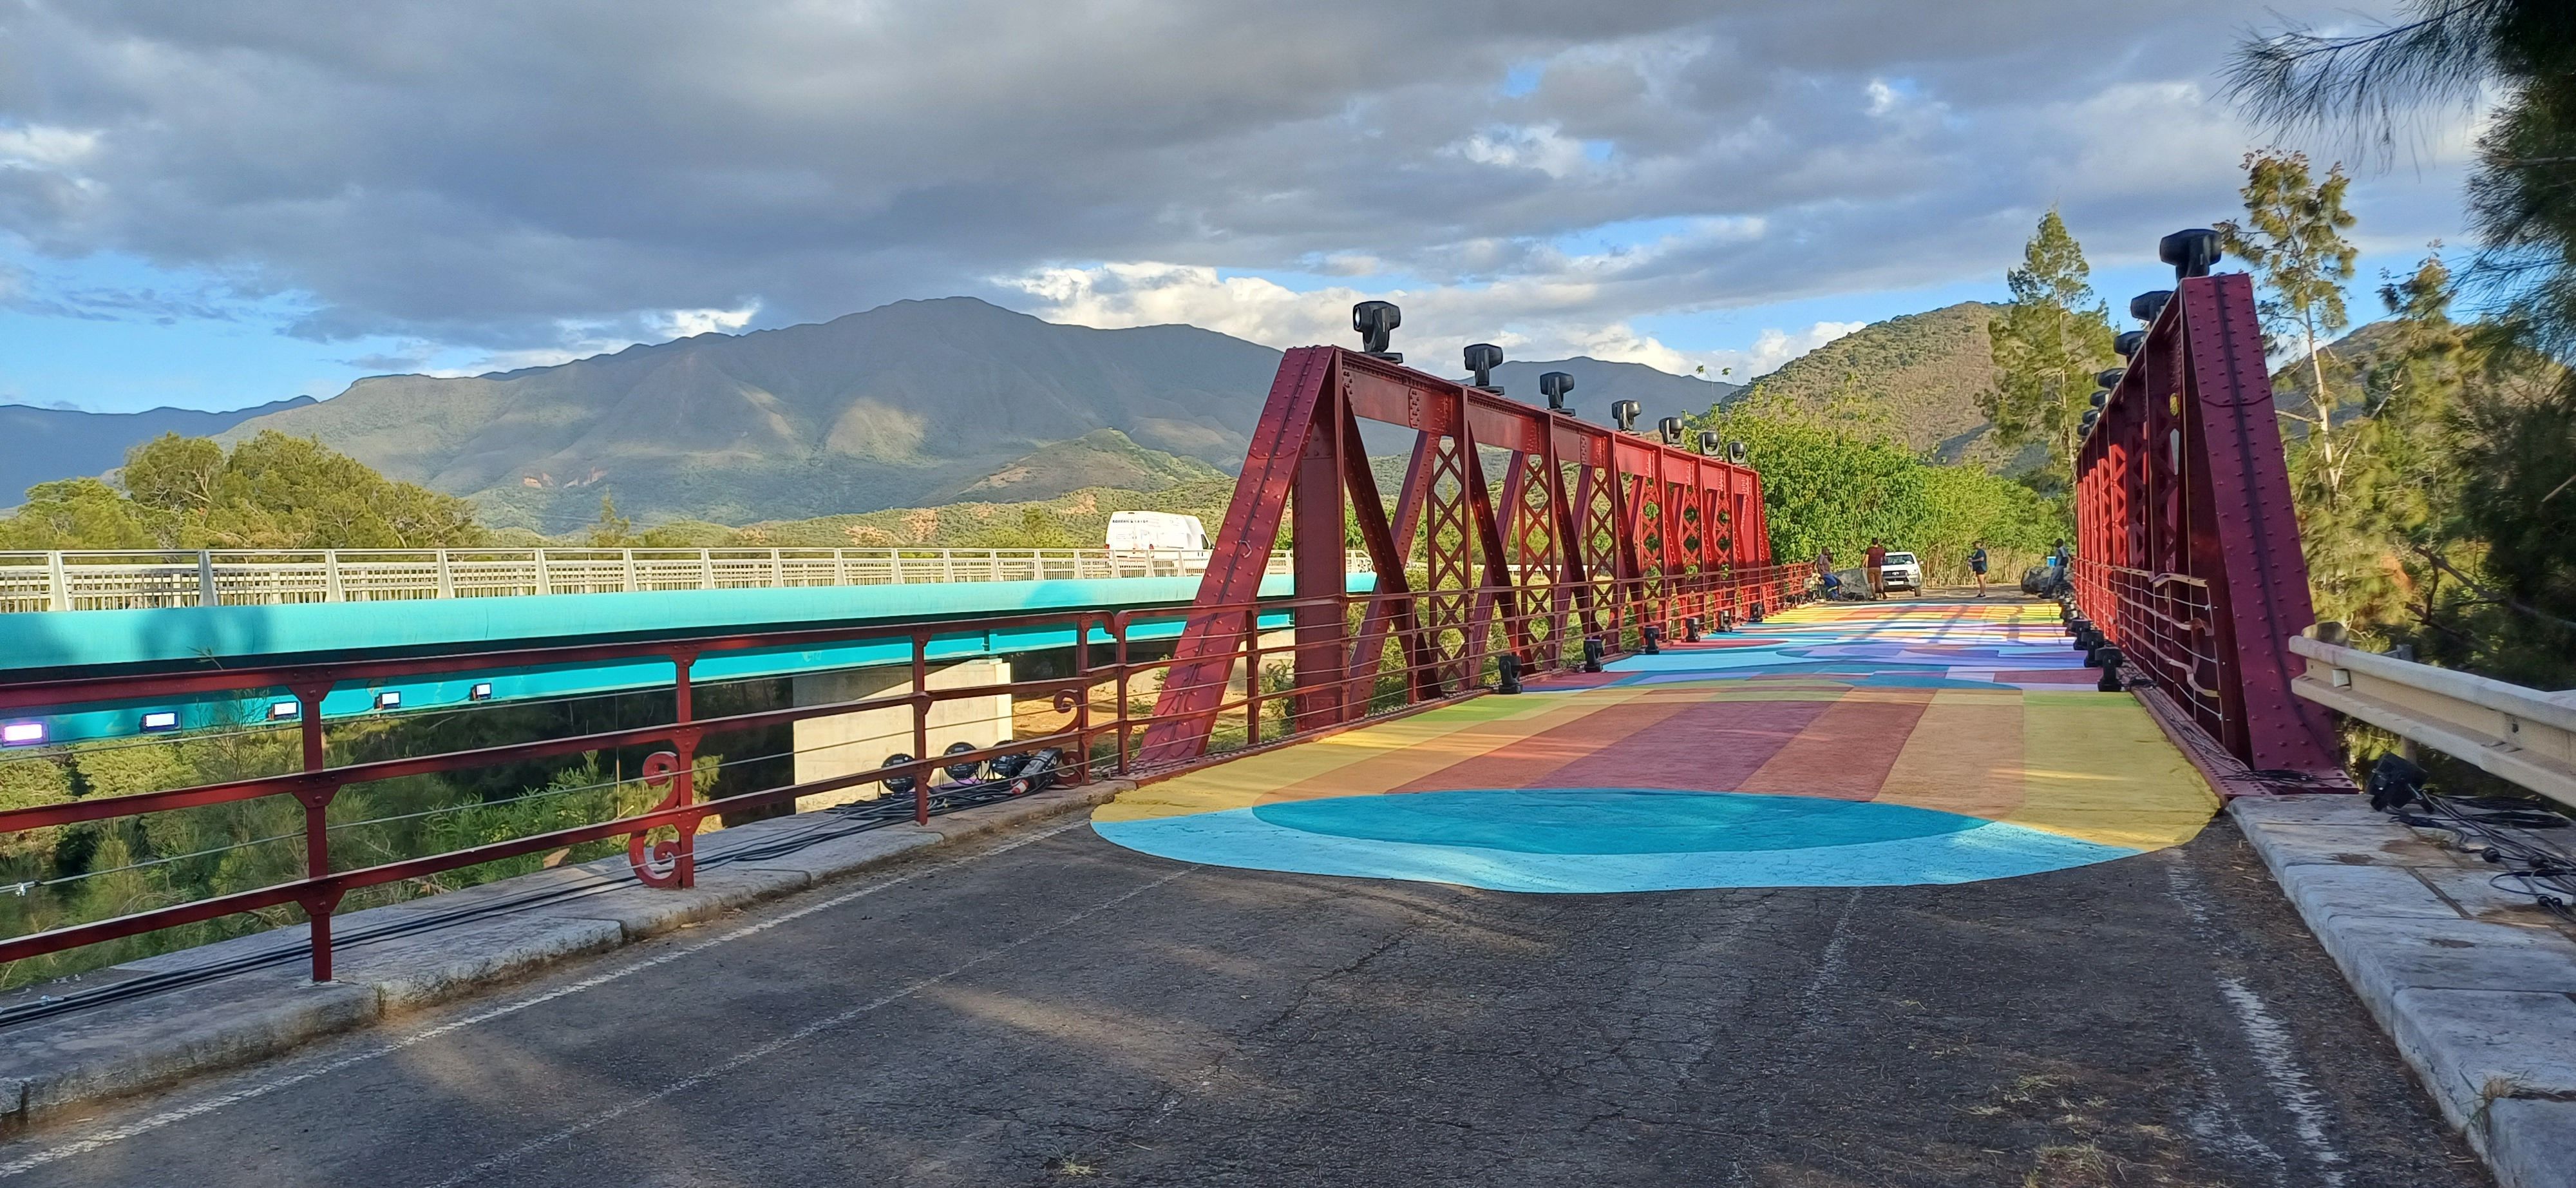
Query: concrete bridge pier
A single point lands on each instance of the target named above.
(845, 743)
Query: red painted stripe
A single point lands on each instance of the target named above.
(1847, 751)
(1709, 746)
(1522, 762)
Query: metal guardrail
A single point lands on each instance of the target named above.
(2517, 734)
(134, 580)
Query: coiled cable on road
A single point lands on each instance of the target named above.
(2493, 828)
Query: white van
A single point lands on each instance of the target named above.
(1152, 532)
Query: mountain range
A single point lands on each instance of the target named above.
(954, 401)
(44, 444)
(913, 404)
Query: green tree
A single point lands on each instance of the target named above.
(2507, 602)
(610, 530)
(2292, 235)
(2047, 344)
(2370, 525)
(80, 513)
(271, 492)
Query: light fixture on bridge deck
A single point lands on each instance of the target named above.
(285, 711)
(1623, 413)
(1507, 674)
(482, 691)
(2107, 658)
(22, 734)
(2192, 252)
(1653, 637)
(1554, 385)
(389, 699)
(2111, 377)
(1376, 321)
(2145, 306)
(1736, 451)
(2129, 342)
(2101, 397)
(1710, 444)
(2092, 417)
(1592, 652)
(1690, 629)
(1482, 359)
(159, 721)
(1671, 428)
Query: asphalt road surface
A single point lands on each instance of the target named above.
(1051, 1009)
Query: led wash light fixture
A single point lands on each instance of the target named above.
(157, 721)
(22, 734)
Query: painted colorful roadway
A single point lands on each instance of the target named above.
(1843, 745)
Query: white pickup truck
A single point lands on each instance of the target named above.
(1902, 571)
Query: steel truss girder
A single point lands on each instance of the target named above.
(2189, 535)
(1551, 552)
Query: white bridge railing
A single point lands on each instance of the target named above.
(255, 577)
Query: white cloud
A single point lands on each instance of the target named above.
(1540, 148)
(45, 146)
(650, 173)
(685, 323)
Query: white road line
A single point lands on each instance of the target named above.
(147, 1125)
(798, 1036)
(2271, 1043)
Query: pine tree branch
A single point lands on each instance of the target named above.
(2490, 595)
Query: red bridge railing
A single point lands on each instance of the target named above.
(2187, 537)
(1095, 714)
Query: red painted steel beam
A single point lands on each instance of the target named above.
(1513, 569)
(2189, 533)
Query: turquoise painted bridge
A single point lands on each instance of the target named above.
(43, 645)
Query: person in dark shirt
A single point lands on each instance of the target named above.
(1877, 560)
(1977, 566)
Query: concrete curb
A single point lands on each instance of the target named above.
(2476, 986)
(53, 1065)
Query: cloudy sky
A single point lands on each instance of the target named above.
(213, 205)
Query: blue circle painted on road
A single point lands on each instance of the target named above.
(1610, 820)
(1596, 840)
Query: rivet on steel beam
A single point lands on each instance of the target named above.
(1623, 413)
(2145, 306)
(1376, 321)
(2192, 252)
(2127, 344)
(1482, 359)
(1554, 385)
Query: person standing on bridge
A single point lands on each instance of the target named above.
(1876, 558)
(1977, 566)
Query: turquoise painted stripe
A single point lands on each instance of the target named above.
(113, 638)
(187, 634)
(1860, 853)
